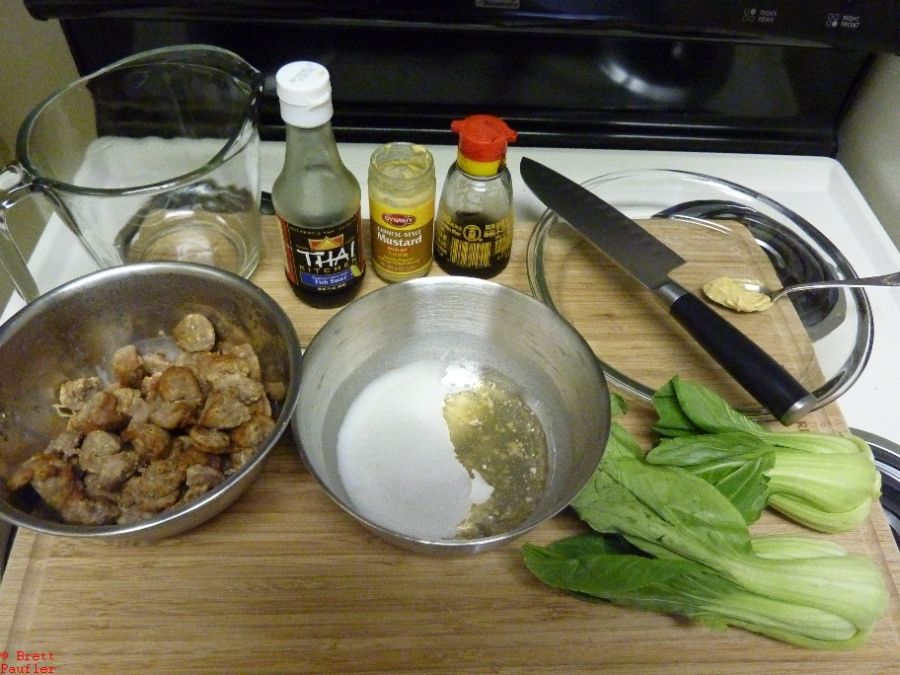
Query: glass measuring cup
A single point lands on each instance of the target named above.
(155, 157)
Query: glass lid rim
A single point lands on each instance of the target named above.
(835, 385)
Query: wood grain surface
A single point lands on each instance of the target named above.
(283, 581)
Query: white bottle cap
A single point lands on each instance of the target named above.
(304, 91)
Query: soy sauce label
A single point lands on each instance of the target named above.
(323, 260)
(471, 244)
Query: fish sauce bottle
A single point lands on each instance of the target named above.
(474, 226)
(316, 198)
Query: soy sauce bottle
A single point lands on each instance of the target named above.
(316, 198)
(474, 227)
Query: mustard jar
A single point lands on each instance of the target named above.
(401, 210)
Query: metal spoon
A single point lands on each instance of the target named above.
(883, 280)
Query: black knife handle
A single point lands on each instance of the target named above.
(763, 377)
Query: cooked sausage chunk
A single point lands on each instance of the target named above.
(132, 404)
(100, 411)
(84, 510)
(169, 428)
(149, 440)
(245, 351)
(173, 415)
(178, 383)
(66, 444)
(127, 368)
(96, 447)
(187, 454)
(261, 407)
(75, 393)
(153, 364)
(116, 469)
(209, 367)
(210, 440)
(56, 481)
(253, 432)
(241, 387)
(156, 488)
(222, 411)
(195, 333)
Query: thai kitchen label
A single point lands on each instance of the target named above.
(323, 259)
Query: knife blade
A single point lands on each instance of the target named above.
(651, 262)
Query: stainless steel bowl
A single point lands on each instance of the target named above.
(456, 319)
(75, 328)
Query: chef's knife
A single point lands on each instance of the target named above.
(650, 261)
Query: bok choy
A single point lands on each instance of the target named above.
(688, 550)
(827, 482)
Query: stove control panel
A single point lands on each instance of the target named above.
(870, 25)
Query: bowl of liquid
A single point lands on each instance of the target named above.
(451, 414)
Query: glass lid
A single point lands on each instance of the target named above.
(822, 337)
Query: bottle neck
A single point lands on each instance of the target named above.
(479, 169)
(311, 146)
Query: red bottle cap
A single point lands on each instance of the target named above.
(483, 140)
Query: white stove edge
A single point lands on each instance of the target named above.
(817, 188)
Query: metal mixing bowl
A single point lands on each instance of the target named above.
(454, 320)
(73, 330)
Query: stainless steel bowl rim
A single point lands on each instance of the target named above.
(447, 545)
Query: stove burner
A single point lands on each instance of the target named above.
(793, 259)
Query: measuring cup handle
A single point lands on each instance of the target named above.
(15, 184)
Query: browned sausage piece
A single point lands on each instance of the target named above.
(95, 448)
(253, 432)
(172, 415)
(116, 469)
(210, 440)
(178, 383)
(75, 393)
(223, 412)
(195, 333)
(153, 364)
(156, 488)
(150, 441)
(241, 387)
(84, 510)
(246, 352)
(127, 367)
(100, 411)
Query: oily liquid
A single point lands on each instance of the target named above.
(495, 433)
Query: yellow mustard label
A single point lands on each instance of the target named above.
(401, 239)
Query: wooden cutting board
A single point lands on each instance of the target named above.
(283, 581)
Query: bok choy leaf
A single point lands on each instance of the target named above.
(695, 557)
(824, 481)
(590, 566)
